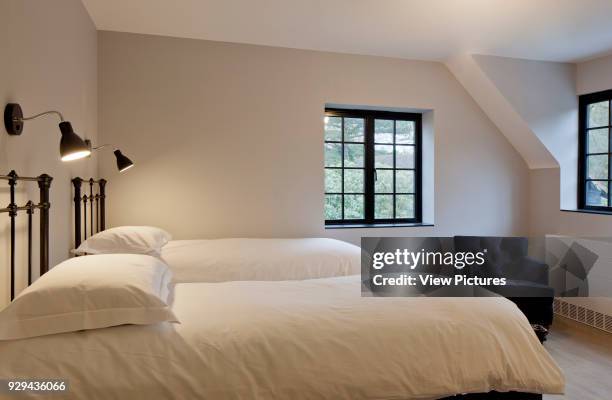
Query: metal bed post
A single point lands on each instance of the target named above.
(97, 206)
(44, 183)
(12, 214)
(91, 212)
(102, 188)
(30, 212)
(84, 199)
(76, 182)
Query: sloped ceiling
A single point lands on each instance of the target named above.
(556, 30)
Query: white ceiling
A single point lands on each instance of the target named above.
(555, 30)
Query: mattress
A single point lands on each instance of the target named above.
(310, 339)
(221, 260)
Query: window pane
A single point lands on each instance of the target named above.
(353, 155)
(383, 206)
(333, 206)
(354, 130)
(384, 181)
(333, 129)
(333, 180)
(404, 181)
(353, 206)
(353, 181)
(333, 154)
(383, 131)
(597, 167)
(404, 132)
(404, 156)
(598, 114)
(404, 206)
(596, 193)
(383, 156)
(597, 141)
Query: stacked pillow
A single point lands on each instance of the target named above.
(127, 240)
(97, 291)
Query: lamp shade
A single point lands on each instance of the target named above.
(123, 163)
(72, 147)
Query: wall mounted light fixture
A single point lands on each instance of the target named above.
(123, 163)
(72, 147)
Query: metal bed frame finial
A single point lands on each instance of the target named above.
(44, 184)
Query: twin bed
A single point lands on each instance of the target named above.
(284, 319)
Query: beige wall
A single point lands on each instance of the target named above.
(48, 53)
(546, 217)
(543, 94)
(228, 138)
(594, 75)
(591, 76)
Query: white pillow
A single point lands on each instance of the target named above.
(88, 293)
(126, 239)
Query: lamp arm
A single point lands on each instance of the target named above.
(61, 117)
(92, 147)
(103, 146)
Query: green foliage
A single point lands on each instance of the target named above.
(404, 156)
(333, 206)
(354, 156)
(404, 181)
(333, 180)
(404, 132)
(597, 167)
(384, 181)
(353, 206)
(383, 206)
(404, 206)
(333, 129)
(383, 131)
(354, 130)
(597, 141)
(383, 156)
(598, 114)
(353, 181)
(333, 154)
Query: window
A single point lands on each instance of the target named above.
(594, 176)
(372, 167)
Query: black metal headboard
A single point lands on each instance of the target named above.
(97, 208)
(44, 184)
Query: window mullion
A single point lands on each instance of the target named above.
(369, 170)
(342, 164)
(394, 165)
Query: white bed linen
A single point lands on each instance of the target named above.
(221, 260)
(311, 339)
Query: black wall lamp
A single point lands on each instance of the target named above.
(123, 163)
(72, 147)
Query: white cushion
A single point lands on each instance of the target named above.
(126, 239)
(91, 292)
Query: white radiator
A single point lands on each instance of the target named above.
(583, 314)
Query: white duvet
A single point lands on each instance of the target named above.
(312, 339)
(221, 260)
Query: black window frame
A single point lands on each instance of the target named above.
(583, 102)
(369, 170)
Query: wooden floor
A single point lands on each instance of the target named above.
(585, 356)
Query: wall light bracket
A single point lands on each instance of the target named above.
(72, 147)
(13, 119)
